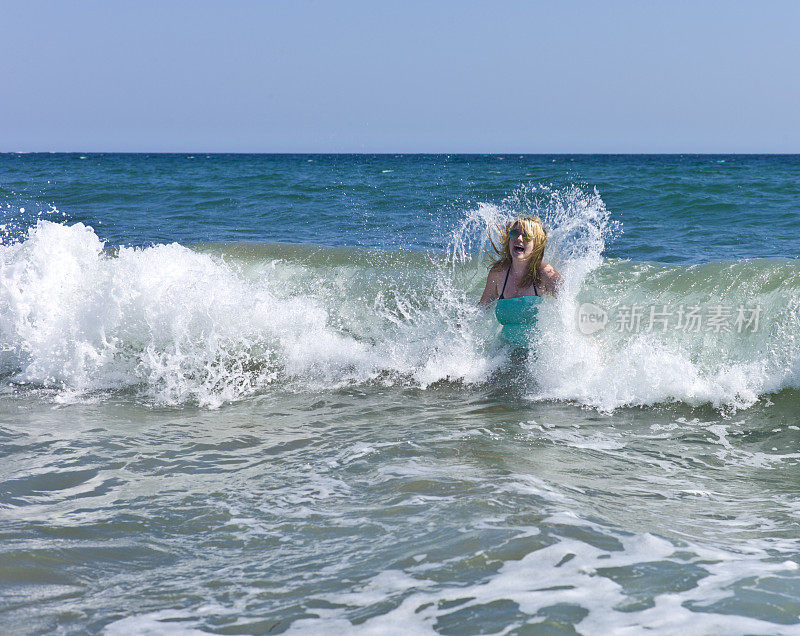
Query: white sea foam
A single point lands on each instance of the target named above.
(184, 326)
(567, 573)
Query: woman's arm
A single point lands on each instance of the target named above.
(490, 292)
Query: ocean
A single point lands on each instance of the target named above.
(247, 394)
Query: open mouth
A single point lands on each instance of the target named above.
(518, 249)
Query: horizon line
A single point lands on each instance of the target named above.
(386, 153)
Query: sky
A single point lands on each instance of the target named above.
(547, 76)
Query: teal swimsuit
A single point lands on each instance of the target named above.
(517, 315)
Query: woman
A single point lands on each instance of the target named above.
(518, 278)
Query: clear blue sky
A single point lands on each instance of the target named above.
(400, 76)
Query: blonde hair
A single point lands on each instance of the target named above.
(533, 230)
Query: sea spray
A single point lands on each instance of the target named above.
(181, 326)
(710, 333)
(719, 333)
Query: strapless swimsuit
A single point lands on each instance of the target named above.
(517, 315)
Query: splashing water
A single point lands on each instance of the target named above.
(221, 323)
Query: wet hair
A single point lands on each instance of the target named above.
(532, 230)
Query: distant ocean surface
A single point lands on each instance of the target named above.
(254, 394)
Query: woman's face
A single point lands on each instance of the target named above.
(520, 248)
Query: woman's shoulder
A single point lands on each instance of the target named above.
(549, 277)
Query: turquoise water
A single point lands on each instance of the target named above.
(254, 394)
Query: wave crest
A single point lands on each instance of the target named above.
(222, 322)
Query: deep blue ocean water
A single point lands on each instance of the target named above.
(254, 394)
(675, 208)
